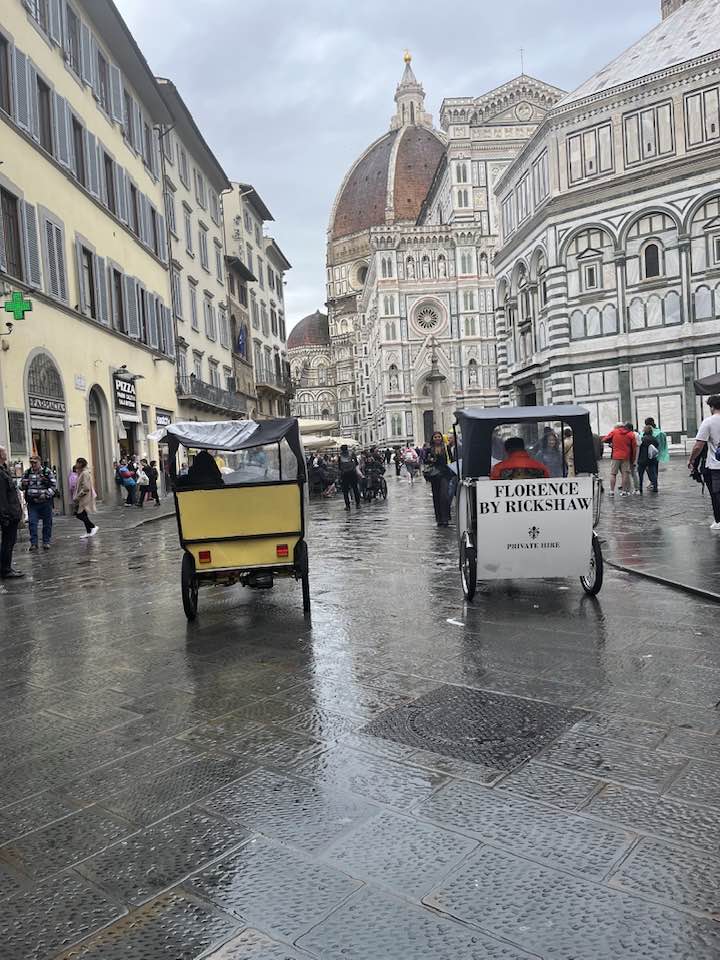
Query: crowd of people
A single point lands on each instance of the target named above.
(635, 455)
(138, 479)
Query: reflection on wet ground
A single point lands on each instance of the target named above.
(537, 775)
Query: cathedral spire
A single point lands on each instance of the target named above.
(410, 100)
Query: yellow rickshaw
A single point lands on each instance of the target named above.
(240, 505)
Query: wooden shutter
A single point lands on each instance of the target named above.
(52, 283)
(131, 307)
(116, 93)
(55, 21)
(162, 238)
(169, 331)
(86, 47)
(32, 247)
(101, 291)
(91, 164)
(60, 118)
(22, 103)
(32, 84)
(137, 128)
(152, 318)
(82, 306)
(59, 237)
(94, 68)
(121, 193)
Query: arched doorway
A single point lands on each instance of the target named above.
(97, 428)
(46, 405)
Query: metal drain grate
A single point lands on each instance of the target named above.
(489, 728)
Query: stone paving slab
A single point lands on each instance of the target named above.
(528, 828)
(253, 945)
(698, 783)
(561, 917)
(273, 888)
(564, 789)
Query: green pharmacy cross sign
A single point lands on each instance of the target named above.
(18, 306)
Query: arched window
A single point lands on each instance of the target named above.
(383, 266)
(461, 171)
(465, 263)
(651, 261)
(412, 113)
(390, 330)
(322, 374)
(325, 415)
(389, 266)
(462, 198)
(469, 300)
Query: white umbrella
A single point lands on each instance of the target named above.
(316, 427)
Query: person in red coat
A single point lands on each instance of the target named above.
(623, 444)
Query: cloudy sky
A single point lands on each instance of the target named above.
(288, 93)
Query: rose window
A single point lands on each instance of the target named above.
(427, 318)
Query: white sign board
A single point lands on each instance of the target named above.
(534, 528)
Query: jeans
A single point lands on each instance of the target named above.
(8, 532)
(651, 467)
(36, 512)
(712, 482)
(130, 488)
(83, 517)
(349, 482)
(142, 492)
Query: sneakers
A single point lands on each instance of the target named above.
(12, 575)
(94, 531)
(46, 546)
(637, 492)
(715, 526)
(611, 493)
(32, 548)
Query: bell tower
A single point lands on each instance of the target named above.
(669, 7)
(410, 100)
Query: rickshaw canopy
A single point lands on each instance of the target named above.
(233, 435)
(706, 386)
(477, 425)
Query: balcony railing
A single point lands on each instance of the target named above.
(269, 378)
(208, 395)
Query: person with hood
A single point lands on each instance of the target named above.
(663, 450)
(624, 453)
(84, 499)
(39, 486)
(647, 458)
(437, 472)
(348, 469)
(10, 516)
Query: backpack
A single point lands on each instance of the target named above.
(346, 464)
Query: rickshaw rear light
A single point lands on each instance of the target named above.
(204, 556)
(283, 550)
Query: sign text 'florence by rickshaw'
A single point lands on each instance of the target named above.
(554, 543)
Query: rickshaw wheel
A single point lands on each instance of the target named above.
(593, 580)
(383, 488)
(189, 584)
(302, 565)
(468, 566)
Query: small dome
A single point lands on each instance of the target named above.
(311, 331)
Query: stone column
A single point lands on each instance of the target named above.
(436, 380)
(685, 282)
(619, 259)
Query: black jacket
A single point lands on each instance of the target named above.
(646, 441)
(10, 507)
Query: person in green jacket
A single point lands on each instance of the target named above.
(662, 445)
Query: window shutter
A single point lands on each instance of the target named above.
(3, 258)
(142, 217)
(137, 127)
(121, 187)
(86, 67)
(52, 283)
(131, 308)
(32, 247)
(101, 291)
(94, 70)
(60, 118)
(102, 180)
(152, 313)
(60, 261)
(72, 159)
(116, 93)
(22, 104)
(81, 305)
(169, 331)
(54, 18)
(91, 163)
(32, 84)
(162, 238)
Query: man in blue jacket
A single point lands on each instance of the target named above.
(39, 486)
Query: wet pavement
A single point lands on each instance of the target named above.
(535, 775)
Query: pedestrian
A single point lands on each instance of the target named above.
(153, 477)
(84, 499)
(411, 462)
(634, 465)
(127, 479)
(348, 468)
(569, 452)
(550, 453)
(10, 514)
(72, 481)
(40, 487)
(624, 452)
(647, 458)
(397, 457)
(142, 483)
(663, 450)
(707, 444)
(437, 471)
(388, 455)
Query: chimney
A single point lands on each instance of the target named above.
(669, 7)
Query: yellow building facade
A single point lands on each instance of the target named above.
(90, 371)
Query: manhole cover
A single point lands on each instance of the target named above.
(488, 728)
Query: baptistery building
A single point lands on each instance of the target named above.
(312, 369)
(608, 269)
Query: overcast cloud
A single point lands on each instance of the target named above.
(288, 93)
